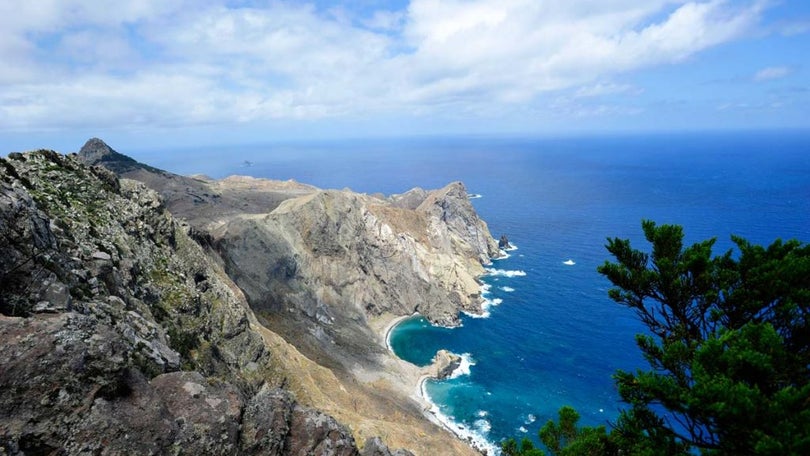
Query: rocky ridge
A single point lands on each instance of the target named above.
(319, 266)
(121, 335)
(326, 270)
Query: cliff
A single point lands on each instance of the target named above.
(325, 271)
(120, 335)
(146, 312)
(319, 267)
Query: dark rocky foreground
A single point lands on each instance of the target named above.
(120, 336)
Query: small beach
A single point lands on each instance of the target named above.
(419, 392)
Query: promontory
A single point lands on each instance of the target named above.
(144, 312)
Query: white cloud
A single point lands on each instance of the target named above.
(386, 20)
(771, 73)
(606, 88)
(180, 62)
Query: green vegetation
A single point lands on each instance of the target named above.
(728, 347)
(563, 439)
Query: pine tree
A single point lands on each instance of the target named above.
(728, 347)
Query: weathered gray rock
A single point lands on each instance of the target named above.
(445, 363)
(330, 260)
(410, 199)
(104, 298)
(375, 447)
(318, 266)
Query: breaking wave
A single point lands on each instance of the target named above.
(505, 273)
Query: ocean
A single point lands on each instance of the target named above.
(552, 336)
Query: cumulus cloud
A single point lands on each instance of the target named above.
(771, 73)
(159, 62)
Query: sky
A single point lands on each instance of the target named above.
(189, 72)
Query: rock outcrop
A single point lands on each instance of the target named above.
(199, 200)
(121, 336)
(444, 364)
(329, 261)
(316, 265)
(323, 268)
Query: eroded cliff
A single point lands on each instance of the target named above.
(316, 274)
(319, 266)
(121, 336)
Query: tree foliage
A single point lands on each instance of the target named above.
(563, 438)
(728, 345)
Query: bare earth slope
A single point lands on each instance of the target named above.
(326, 270)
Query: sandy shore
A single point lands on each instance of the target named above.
(386, 333)
(413, 383)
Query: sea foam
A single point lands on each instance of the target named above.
(505, 273)
(486, 304)
(476, 437)
(504, 253)
(483, 426)
(467, 362)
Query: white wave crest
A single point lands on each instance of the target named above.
(486, 304)
(507, 289)
(505, 273)
(482, 426)
(474, 436)
(484, 312)
(467, 362)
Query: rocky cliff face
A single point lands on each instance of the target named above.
(323, 270)
(331, 260)
(317, 265)
(120, 336)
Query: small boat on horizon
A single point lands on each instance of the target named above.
(569, 262)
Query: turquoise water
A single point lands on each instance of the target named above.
(554, 338)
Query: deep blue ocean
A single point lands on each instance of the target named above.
(555, 337)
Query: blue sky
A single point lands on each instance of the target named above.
(183, 72)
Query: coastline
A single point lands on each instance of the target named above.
(389, 327)
(417, 390)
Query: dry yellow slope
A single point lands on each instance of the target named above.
(375, 408)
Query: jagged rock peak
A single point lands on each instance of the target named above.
(97, 152)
